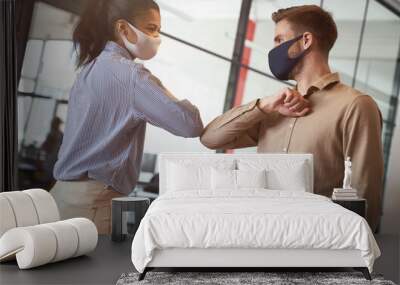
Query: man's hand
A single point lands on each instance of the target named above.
(287, 102)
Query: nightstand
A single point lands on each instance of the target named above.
(127, 212)
(357, 206)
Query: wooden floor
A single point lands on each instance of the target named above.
(110, 260)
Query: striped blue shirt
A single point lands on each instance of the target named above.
(110, 103)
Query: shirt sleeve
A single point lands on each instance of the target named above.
(362, 143)
(237, 128)
(156, 105)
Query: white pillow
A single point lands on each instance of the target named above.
(188, 177)
(292, 175)
(222, 179)
(292, 179)
(185, 174)
(251, 179)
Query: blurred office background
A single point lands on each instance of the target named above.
(203, 42)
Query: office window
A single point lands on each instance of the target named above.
(379, 58)
(210, 24)
(48, 73)
(348, 16)
(365, 56)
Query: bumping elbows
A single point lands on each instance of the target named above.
(190, 131)
(207, 140)
(196, 131)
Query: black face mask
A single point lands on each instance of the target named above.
(279, 61)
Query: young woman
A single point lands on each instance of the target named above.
(110, 103)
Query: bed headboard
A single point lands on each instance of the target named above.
(164, 158)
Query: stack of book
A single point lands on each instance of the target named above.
(344, 194)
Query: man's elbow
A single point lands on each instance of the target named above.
(208, 141)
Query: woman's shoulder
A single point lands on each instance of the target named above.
(120, 66)
(117, 61)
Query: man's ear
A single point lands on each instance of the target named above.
(308, 40)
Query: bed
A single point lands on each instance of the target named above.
(247, 211)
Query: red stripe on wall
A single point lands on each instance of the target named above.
(241, 84)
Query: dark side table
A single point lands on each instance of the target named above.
(358, 206)
(127, 213)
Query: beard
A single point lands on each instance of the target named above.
(294, 52)
(296, 70)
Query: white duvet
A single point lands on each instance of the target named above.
(254, 218)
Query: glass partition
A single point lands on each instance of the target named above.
(49, 67)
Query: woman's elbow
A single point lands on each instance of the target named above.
(192, 131)
(193, 127)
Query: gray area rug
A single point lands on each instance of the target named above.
(244, 278)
